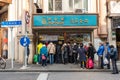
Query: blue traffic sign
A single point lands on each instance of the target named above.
(11, 23)
(24, 41)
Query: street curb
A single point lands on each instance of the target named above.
(85, 70)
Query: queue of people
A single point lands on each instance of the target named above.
(77, 53)
(108, 52)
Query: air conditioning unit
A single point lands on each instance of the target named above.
(79, 11)
(39, 10)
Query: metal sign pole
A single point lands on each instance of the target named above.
(25, 57)
(25, 39)
(11, 28)
(26, 52)
(27, 22)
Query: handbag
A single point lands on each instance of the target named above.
(43, 57)
(89, 64)
(105, 61)
(35, 58)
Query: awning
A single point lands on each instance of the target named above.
(113, 14)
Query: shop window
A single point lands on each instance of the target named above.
(58, 5)
(78, 4)
(67, 5)
(50, 5)
(55, 5)
(116, 22)
(84, 38)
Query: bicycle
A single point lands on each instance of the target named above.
(2, 63)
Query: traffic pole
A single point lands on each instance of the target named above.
(25, 52)
(27, 20)
(12, 52)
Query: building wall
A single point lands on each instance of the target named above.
(17, 12)
(114, 11)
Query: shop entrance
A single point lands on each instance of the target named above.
(59, 36)
(118, 41)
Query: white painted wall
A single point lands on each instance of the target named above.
(45, 6)
(11, 10)
(66, 8)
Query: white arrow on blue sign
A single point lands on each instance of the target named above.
(10, 23)
(24, 41)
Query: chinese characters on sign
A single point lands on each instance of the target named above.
(64, 20)
(52, 21)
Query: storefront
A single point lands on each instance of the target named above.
(118, 41)
(64, 27)
(116, 32)
(4, 31)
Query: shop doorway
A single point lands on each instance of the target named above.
(118, 41)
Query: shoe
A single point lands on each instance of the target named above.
(114, 73)
(117, 72)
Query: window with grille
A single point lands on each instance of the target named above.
(67, 5)
(58, 5)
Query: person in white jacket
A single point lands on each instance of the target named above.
(51, 51)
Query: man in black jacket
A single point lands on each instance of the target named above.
(113, 56)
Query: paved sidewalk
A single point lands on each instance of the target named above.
(52, 68)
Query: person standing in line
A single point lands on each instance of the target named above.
(39, 46)
(75, 54)
(44, 54)
(64, 53)
(51, 51)
(114, 57)
(100, 54)
(70, 58)
(107, 54)
(91, 51)
(82, 56)
(58, 53)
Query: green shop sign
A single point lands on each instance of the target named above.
(42, 20)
